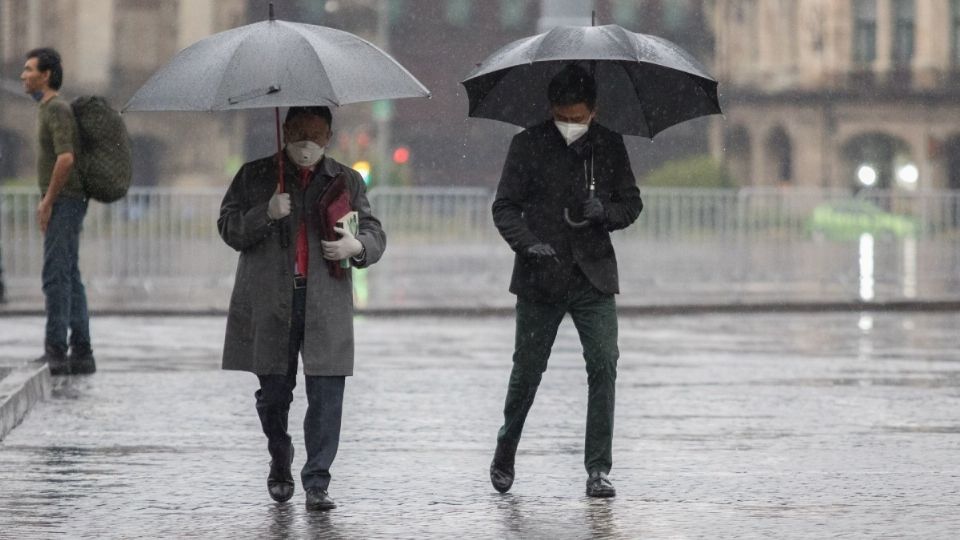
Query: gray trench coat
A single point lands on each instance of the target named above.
(258, 323)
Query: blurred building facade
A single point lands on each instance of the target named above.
(440, 41)
(110, 48)
(850, 94)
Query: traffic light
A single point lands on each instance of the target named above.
(401, 155)
(363, 167)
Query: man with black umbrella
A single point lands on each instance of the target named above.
(566, 184)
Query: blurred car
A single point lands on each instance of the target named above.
(848, 219)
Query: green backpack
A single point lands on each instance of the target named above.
(103, 162)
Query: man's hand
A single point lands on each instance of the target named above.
(344, 248)
(593, 210)
(44, 211)
(279, 205)
(541, 250)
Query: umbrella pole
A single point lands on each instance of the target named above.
(284, 232)
(276, 116)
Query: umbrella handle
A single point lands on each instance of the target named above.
(572, 223)
(579, 224)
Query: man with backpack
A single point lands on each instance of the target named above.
(60, 214)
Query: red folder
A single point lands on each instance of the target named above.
(331, 207)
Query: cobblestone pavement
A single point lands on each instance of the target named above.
(777, 426)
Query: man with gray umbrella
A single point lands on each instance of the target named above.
(292, 295)
(566, 184)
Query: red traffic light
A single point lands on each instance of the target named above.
(401, 155)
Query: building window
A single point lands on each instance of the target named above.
(864, 31)
(676, 14)
(780, 151)
(955, 31)
(513, 13)
(458, 12)
(625, 12)
(903, 32)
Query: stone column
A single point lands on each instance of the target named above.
(885, 23)
(932, 53)
(194, 21)
(95, 45)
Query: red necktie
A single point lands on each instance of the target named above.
(303, 248)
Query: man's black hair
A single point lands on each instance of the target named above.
(322, 112)
(571, 86)
(48, 59)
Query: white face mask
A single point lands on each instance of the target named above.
(305, 153)
(571, 132)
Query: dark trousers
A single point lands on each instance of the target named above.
(66, 298)
(321, 425)
(595, 316)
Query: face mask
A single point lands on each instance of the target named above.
(305, 153)
(571, 132)
(37, 96)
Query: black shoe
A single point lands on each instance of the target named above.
(501, 468)
(317, 499)
(501, 477)
(598, 485)
(81, 360)
(56, 360)
(280, 479)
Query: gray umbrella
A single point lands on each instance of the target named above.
(275, 64)
(645, 84)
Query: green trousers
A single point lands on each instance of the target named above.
(595, 316)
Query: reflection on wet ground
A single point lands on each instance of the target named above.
(799, 426)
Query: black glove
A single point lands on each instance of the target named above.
(541, 250)
(593, 210)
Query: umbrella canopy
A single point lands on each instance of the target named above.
(275, 64)
(645, 84)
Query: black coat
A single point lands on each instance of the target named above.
(541, 177)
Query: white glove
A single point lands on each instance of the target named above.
(344, 248)
(279, 205)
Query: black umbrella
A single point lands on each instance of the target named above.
(645, 84)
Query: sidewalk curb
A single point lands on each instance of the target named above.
(19, 391)
(789, 306)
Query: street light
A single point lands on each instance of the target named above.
(867, 175)
(908, 175)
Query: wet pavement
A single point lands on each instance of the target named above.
(777, 426)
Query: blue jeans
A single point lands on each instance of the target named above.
(66, 299)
